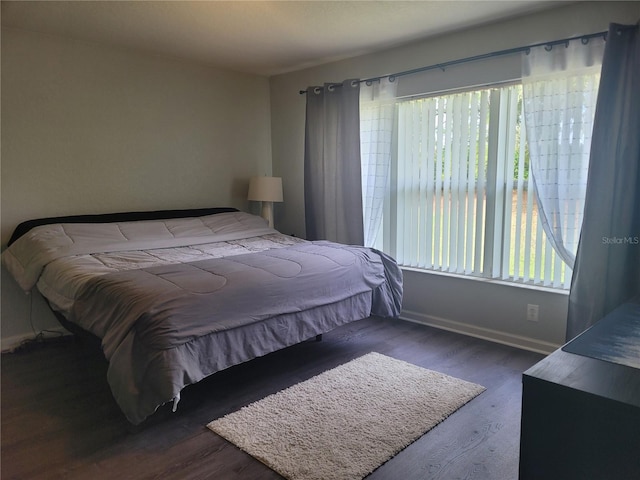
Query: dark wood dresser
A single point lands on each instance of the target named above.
(581, 414)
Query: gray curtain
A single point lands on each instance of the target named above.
(332, 178)
(607, 266)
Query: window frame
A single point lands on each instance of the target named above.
(495, 233)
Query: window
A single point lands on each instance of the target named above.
(460, 196)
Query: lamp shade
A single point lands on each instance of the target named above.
(265, 189)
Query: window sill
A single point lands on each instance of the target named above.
(496, 281)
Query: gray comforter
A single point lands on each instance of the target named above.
(152, 318)
(173, 304)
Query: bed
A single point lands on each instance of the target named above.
(177, 295)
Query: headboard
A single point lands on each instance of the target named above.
(24, 227)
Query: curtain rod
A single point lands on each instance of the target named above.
(548, 46)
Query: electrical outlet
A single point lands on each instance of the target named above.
(532, 313)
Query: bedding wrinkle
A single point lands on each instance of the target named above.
(191, 278)
(65, 232)
(339, 257)
(270, 264)
(123, 234)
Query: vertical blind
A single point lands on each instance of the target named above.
(462, 196)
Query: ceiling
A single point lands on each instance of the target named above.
(259, 37)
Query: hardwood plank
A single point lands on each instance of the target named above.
(59, 419)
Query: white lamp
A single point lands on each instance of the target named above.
(266, 190)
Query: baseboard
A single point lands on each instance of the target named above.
(9, 344)
(497, 336)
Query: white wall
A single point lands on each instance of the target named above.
(93, 129)
(477, 307)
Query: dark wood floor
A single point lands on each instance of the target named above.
(60, 421)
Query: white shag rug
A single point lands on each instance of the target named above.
(346, 422)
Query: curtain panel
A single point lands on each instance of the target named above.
(377, 124)
(332, 172)
(607, 267)
(560, 87)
